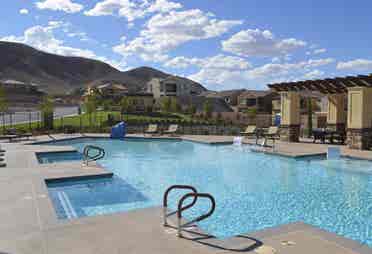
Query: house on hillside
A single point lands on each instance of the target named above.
(229, 96)
(172, 86)
(259, 101)
(112, 90)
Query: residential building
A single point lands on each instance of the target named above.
(229, 96)
(112, 90)
(260, 101)
(141, 102)
(173, 86)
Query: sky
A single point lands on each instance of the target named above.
(223, 44)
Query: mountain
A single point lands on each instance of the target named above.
(61, 74)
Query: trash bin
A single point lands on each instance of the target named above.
(118, 131)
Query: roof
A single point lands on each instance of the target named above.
(222, 94)
(252, 94)
(113, 86)
(13, 82)
(325, 86)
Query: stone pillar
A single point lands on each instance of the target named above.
(359, 119)
(290, 122)
(336, 117)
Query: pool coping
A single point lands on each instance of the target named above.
(50, 221)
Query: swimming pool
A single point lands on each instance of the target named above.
(253, 191)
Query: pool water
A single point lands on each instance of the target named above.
(54, 157)
(253, 191)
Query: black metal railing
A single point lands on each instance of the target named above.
(89, 157)
(181, 207)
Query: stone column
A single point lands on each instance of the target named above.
(359, 119)
(290, 114)
(336, 117)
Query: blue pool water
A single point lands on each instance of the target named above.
(45, 158)
(253, 191)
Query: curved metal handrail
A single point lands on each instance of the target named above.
(88, 158)
(182, 208)
(165, 200)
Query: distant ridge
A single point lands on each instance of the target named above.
(61, 74)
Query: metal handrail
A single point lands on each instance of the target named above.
(88, 158)
(181, 209)
(165, 200)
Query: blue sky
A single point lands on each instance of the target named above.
(222, 44)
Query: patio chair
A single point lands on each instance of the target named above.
(250, 132)
(172, 130)
(272, 134)
(15, 134)
(152, 129)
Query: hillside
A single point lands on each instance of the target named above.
(60, 74)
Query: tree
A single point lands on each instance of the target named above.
(174, 106)
(309, 117)
(47, 112)
(165, 104)
(90, 107)
(107, 104)
(3, 105)
(208, 108)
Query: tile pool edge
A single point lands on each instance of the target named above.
(78, 178)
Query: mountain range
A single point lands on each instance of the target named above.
(56, 74)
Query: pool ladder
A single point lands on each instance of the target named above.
(181, 207)
(88, 157)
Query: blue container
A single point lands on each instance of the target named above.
(118, 131)
(277, 120)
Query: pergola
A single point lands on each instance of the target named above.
(358, 121)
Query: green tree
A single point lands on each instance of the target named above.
(208, 108)
(90, 107)
(107, 104)
(174, 105)
(3, 105)
(165, 104)
(47, 112)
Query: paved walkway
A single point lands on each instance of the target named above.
(28, 223)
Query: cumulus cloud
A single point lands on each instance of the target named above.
(261, 75)
(42, 38)
(131, 9)
(215, 62)
(314, 74)
(23, 11)
(60, 5)
(319, 51)
(166, 31)
(260, 43)
(356, 65)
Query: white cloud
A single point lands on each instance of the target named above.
(163, 6)
(60, 5)
(356, 65)
(23, 11)
(260, 43)
(215, 62)
(131, 9)
(165, 32)
(42, 38)
(319, 51)
(314, 74)
(260, 76)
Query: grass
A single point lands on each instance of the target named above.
(100, 119)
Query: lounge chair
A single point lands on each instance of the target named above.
(250, 132)
(14, 134)
(272, 134)
(172, 130)
(152, 129)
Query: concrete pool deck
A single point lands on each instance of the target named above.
(28, 223)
